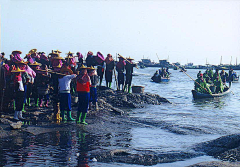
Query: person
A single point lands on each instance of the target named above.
(198, 74)
(90, 59)
(216, 74)
(15, 57)
(56, 60)
(43, 59)
(83, 89)
(93, 89)
(129, 71)
(35, 66)
(201, 86)
(120, 67)
(43, 85)
(65, 96)
(25, 79)
(2, 57)
(210, 73)
(223, 77)
(109, 70)
(80, 59)
(18, 93)
(206, 77)
(156, 77)
(71, 61)
(219, 85)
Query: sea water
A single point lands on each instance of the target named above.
(165, 128)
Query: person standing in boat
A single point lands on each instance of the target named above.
(120, 67)
(215, 75)
(219, 85)
(223, 77)
(129, 71)
(109, 70)
(201, 86)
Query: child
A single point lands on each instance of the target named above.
(93, 90)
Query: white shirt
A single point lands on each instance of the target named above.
(64, 83)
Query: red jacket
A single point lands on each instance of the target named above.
(83, 88)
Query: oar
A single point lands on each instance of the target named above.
(116, 76)
(50, 71)
(194, 80)
(126, 60)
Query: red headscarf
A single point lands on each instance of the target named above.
(109, 59)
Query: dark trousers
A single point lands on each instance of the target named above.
(83, 101)
(93, 94)
(19, 99)
(65, 102)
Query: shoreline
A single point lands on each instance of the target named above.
(111, 124)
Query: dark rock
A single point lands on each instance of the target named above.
(220, 145)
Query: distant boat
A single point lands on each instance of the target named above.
(158, 79)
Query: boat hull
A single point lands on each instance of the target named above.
(198, 95)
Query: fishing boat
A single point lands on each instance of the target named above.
(198, 95)
(159, 79)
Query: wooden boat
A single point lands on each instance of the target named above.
(159, 79)
(198, 95)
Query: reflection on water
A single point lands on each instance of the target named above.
(219, 103)
(60, 148)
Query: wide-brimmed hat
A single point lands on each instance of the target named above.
(65, 69)
(35, 64)
(68, 55)
(18, 51)
(32, 51)
(91, 68)
(21, 62)
(18, 70)
(58, 66)
(57, 51)
(84, 67)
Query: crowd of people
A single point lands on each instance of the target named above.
(44, 78)
(210, 82)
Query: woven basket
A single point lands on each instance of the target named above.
(138, 89)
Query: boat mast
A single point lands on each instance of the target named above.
(231, 61)
(221, 61)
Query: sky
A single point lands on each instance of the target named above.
(178, 30)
